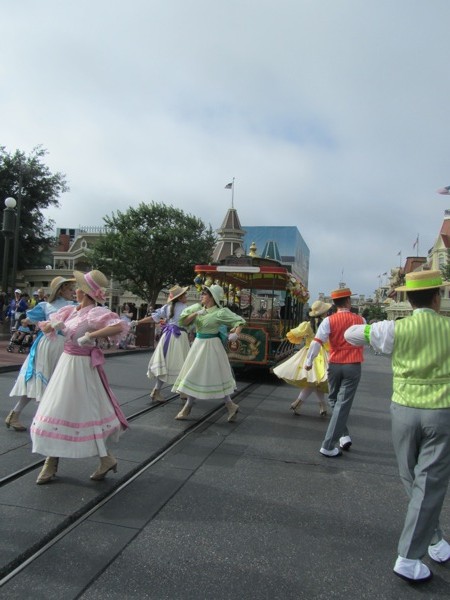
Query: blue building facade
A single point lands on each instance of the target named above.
(292, 247)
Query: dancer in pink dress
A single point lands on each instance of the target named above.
(78, 412)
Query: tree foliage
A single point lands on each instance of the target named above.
(151, 247)
(39, 189)
(445, 270)
(374, 312)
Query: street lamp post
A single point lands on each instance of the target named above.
(8, 229)
(111, 290)
(17, 231)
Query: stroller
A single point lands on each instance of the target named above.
(22, 337)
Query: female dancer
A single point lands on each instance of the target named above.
(173, 346)
(292, 370)
(44, 354)
(78, 412)
(206, 372)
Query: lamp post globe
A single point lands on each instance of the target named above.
(10, 202)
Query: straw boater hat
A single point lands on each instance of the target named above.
(176, 292)
(216, 292)
(92, 284)
(341, 293)
(55, 286)
(422, 280)
(319, 308)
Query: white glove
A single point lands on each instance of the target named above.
(133, 323)
(232, 337)
(57, 325)
(85, 340)
(201, 312)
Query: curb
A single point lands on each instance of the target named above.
(11, 368)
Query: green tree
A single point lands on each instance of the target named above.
(39, 189)
(445, 270)
(374, 312)
(151, 247)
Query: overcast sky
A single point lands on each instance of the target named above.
(332, 115)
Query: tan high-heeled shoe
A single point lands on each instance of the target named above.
(107, 463)
(156, 396)
(296, 405)
(184, 413)
(12, 420)
(48, 471)
(232, 411)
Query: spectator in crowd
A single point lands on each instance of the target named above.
(17, 306)
(41, 296)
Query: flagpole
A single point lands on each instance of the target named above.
(230, 186)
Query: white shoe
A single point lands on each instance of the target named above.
(330, 453)
(412, 570)
(345, 442)
(439, 552)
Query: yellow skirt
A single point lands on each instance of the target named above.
(293, 371)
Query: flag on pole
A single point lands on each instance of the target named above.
(416, 242)
(229, 186)
(399, 253)
(445, 190)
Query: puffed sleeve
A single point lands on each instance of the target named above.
(37, 313)
(62, 314)
(100, 317)
(188, 311)
(160, 313)
(58, 319)
(296, 335)
(229, 318)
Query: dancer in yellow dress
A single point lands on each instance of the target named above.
(293, 370)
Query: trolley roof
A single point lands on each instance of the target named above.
(255, 277)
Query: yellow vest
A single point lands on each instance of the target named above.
(421, 361)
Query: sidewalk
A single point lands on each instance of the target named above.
(12, 361)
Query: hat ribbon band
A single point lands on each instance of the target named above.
(94, 286)
(436, 282)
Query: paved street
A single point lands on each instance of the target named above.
(248, 510)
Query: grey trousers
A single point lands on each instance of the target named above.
(343, 380)
(422, 446)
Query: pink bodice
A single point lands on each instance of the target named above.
(78, 322)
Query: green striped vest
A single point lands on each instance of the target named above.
(421, 361)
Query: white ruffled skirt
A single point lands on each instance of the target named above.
(166, 368)
(47, 355)
(75, 417)
(206, 372)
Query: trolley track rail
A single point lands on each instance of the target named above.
(39, 463)
(70, 522)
